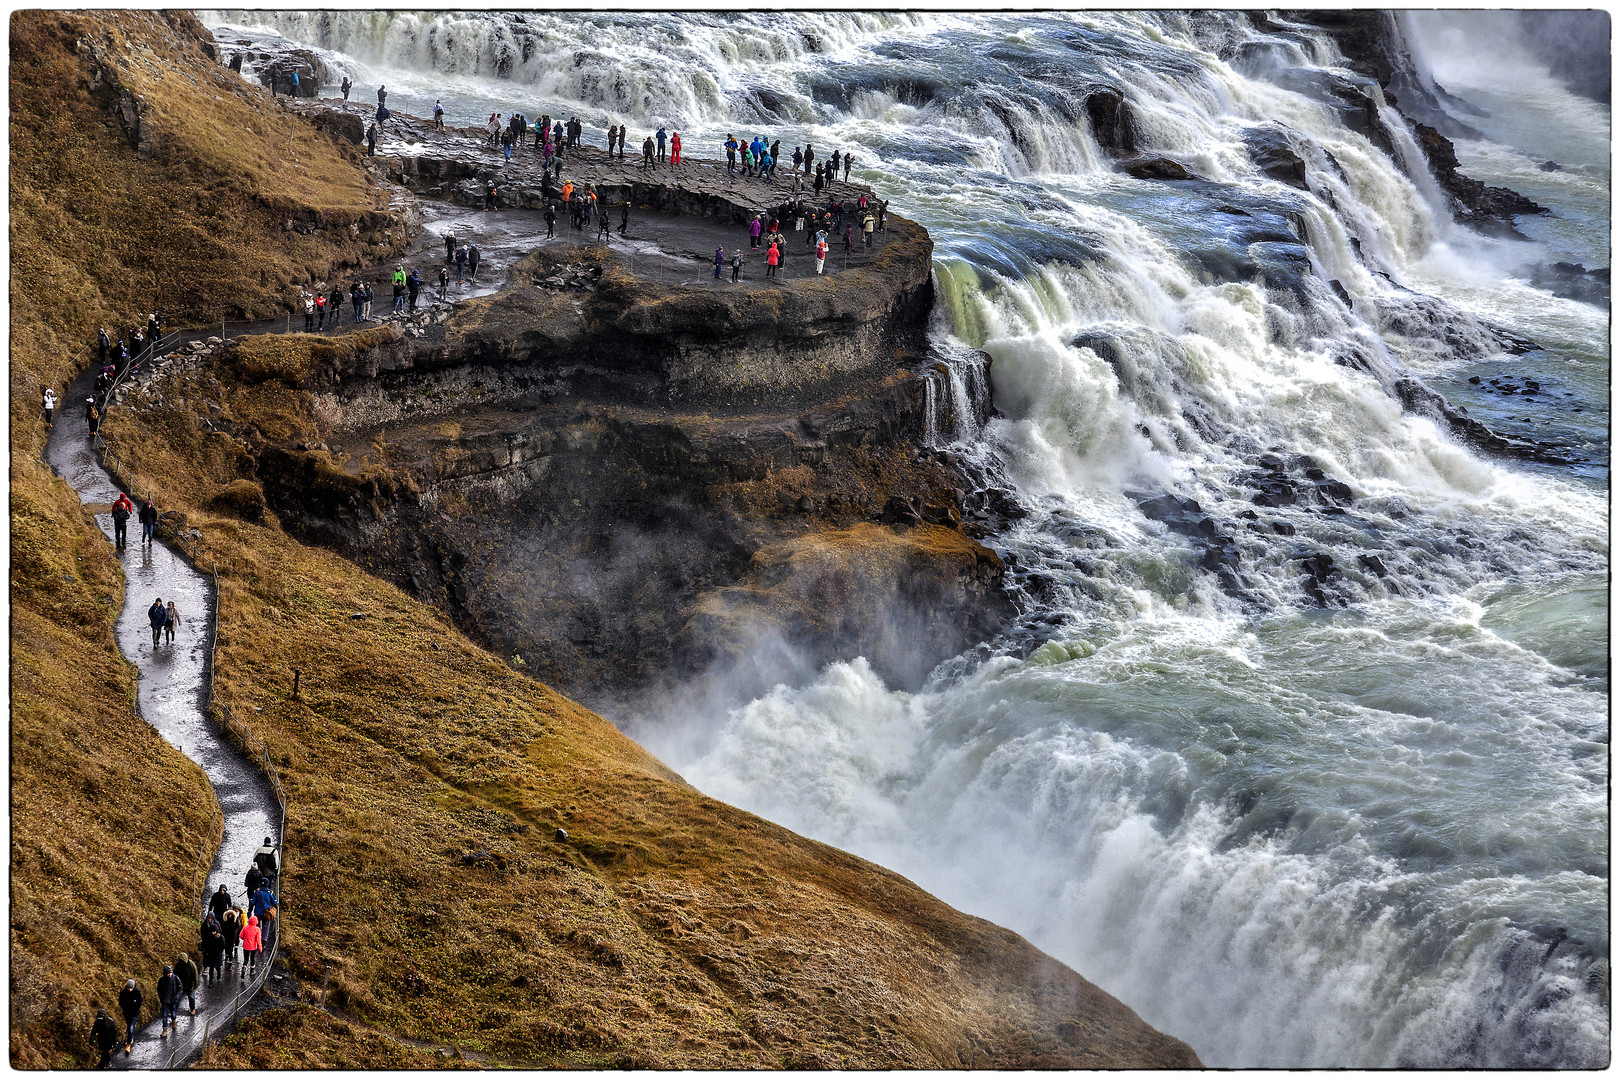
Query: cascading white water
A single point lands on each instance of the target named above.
(1368, 829)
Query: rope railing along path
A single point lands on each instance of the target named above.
(175, 694)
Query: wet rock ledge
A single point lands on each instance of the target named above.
(621, 482)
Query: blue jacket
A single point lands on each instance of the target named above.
(157, 615)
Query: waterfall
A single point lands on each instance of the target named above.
(1300, 743)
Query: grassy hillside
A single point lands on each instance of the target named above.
(211, 201)
(108, 823)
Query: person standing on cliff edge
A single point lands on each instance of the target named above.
(346, 85)
(371, 140)
(719, 261)
(382, 96)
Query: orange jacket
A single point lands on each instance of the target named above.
(252, 938)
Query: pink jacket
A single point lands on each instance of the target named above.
(252, 939)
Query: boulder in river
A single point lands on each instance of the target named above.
(1154, 168)
(1273, 153)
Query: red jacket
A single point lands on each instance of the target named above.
(252, 938)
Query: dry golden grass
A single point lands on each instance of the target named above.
(109, 825)
(103, 235)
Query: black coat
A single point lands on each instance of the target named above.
(169, 989)
(105, 1033)
(130, 1001)
(149, 514)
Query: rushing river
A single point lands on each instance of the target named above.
(1356, 819)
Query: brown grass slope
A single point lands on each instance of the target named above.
(109, 826)
(201, 207)
(427, 781)
(109, 823)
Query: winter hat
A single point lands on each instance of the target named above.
(184, 959)
(129, 984)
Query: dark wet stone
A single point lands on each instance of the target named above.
(1273, 154)
(1154, 168)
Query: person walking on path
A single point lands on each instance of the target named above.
(168, 992)
(265, 859)
(868, 226)
(187, 971)
(220, 902)
(212, 946)
(371, 140)
(849, 238)
(449, 246)
(334, 304)
(104, 1037)
(444, 281)
(320, 312)
(382, 95)
(130, 1000)
(149, 520)
(122, 511)
(104, 344)
(92, 416)
(252, 943)
(461, 264)
(719, 261)
(230, 925)
(624, 218)
(472, 260)
(171, 620)
(157, 615)
(48, 402)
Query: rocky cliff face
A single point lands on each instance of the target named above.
(1373, 45)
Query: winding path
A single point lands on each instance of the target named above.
(171, 694)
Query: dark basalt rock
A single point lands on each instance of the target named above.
(1489, 209)
(1273, 154)
(1420, 398)
(1154, 168)
(1111, 122)
(1572, 281)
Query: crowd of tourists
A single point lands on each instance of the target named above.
(232, 939)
